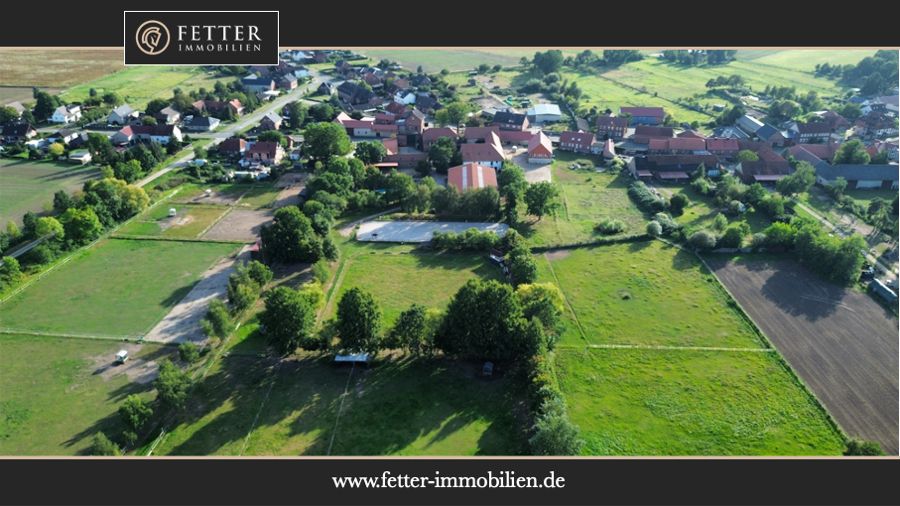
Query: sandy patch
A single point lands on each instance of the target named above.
(557, 254)
(239, 225)
(175, 221)
(135, 369)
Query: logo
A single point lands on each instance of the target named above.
(201, 38)
(152, 37)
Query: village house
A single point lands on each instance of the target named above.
(287, 82)
(15, 132)
(168, 116)
(265, 152)
(505, 120)
(353, 94)
(488, 153)
(257, 84)
(356, 127)
(810, 133)
(233, 147)
(644, 115)
(217, 107)
(66, 114)
(271, 121)
(612, 127)
(161, 134)
(676, 146)
(879, 146)
(814, 153)
(576, 142)
(643, 134)
(770, 135)
(18, 107)
(876, 125)
(325, 89)
(607, 148)
(122, 115)
(540, 150)
(397, 156)
(471, 176)
(197, 123)
(431, 135)
(729, 132)
(544, 113)
(64, 136)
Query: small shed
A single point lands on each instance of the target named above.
(121, 356)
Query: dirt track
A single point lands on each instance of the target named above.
(841, 342)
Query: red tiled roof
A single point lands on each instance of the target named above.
(691, 133)
(391, 146)
(469, 176)
(579, 138)
(717, 144)
(482, 152)
(264, 147)
(678, 144)
(540, 144)
(612, 121)
(819, 127)
(475, 133)
(233, 145)
(433, 134)
(514, 136)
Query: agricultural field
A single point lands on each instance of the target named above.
(27, 185)
(139, 85)
(802, 59)
(587, 197)
(119, 287)
(250, 405)
(840, 341)
(433, 60)
(57, 392)
(189, 222)
(644, 293)
(55, 67)
(398, 276)
(689, 402)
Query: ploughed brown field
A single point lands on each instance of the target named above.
(841, 342)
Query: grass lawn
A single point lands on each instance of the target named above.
(644, 293)
(56, 67)
(119, 287)
(54, 395)
(587, 197)
(29, 186)
(398, 276)
(665, 402)
(701, 211)
(394, 407)
(139, 85)
(189, 222)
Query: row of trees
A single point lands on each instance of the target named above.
(697, 57)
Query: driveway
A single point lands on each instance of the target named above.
(419, 231)
(534, 173)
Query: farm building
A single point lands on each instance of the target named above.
(748, 124)
(431, 135)
(168, 116)
(540, 150)
(121, 115)
(860, 176)
(199, 123)
(644, 115)
(544, 113)
(81, 156)
(470, 176)
(510, 121)
(489, 154)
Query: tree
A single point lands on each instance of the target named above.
(290, 237)
(44, 105)
(103, 446)
(484, 321)
(401, 189)
(755, 193)
(453, 114)
(8, 114)
(359, 321)
(733, 236)
(297, 112)
(852, 152)
(81, 225)
(188, 352)
(412, 331)
(289, 319)
(860, 447)
(554, 434)
(677, 204)
(370, 152)
(441, 154)
(541, 199)
(702, 239)
(135, 412)
(522, 267)
(801, 180)
(548, 61)
(272, 136)
(172, 385)
(217, 322)
(129, 171)
(10, 272)
(543, 301)
(324, 140)
(56, 150)
(48, 226)
(745, 155)
(154, 106)
(322, 112)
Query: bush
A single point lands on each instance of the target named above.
(666, 222)
(646, 199)
(702, 239)
(732, 238)
(862, 447)
(609, 226)
(189, 352)
(471, 240)
(321, 271)
(677, 204)
(701, 186)
(103, 446)
(654, 228)
(217, 322)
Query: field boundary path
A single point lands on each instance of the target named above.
(664, 347)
